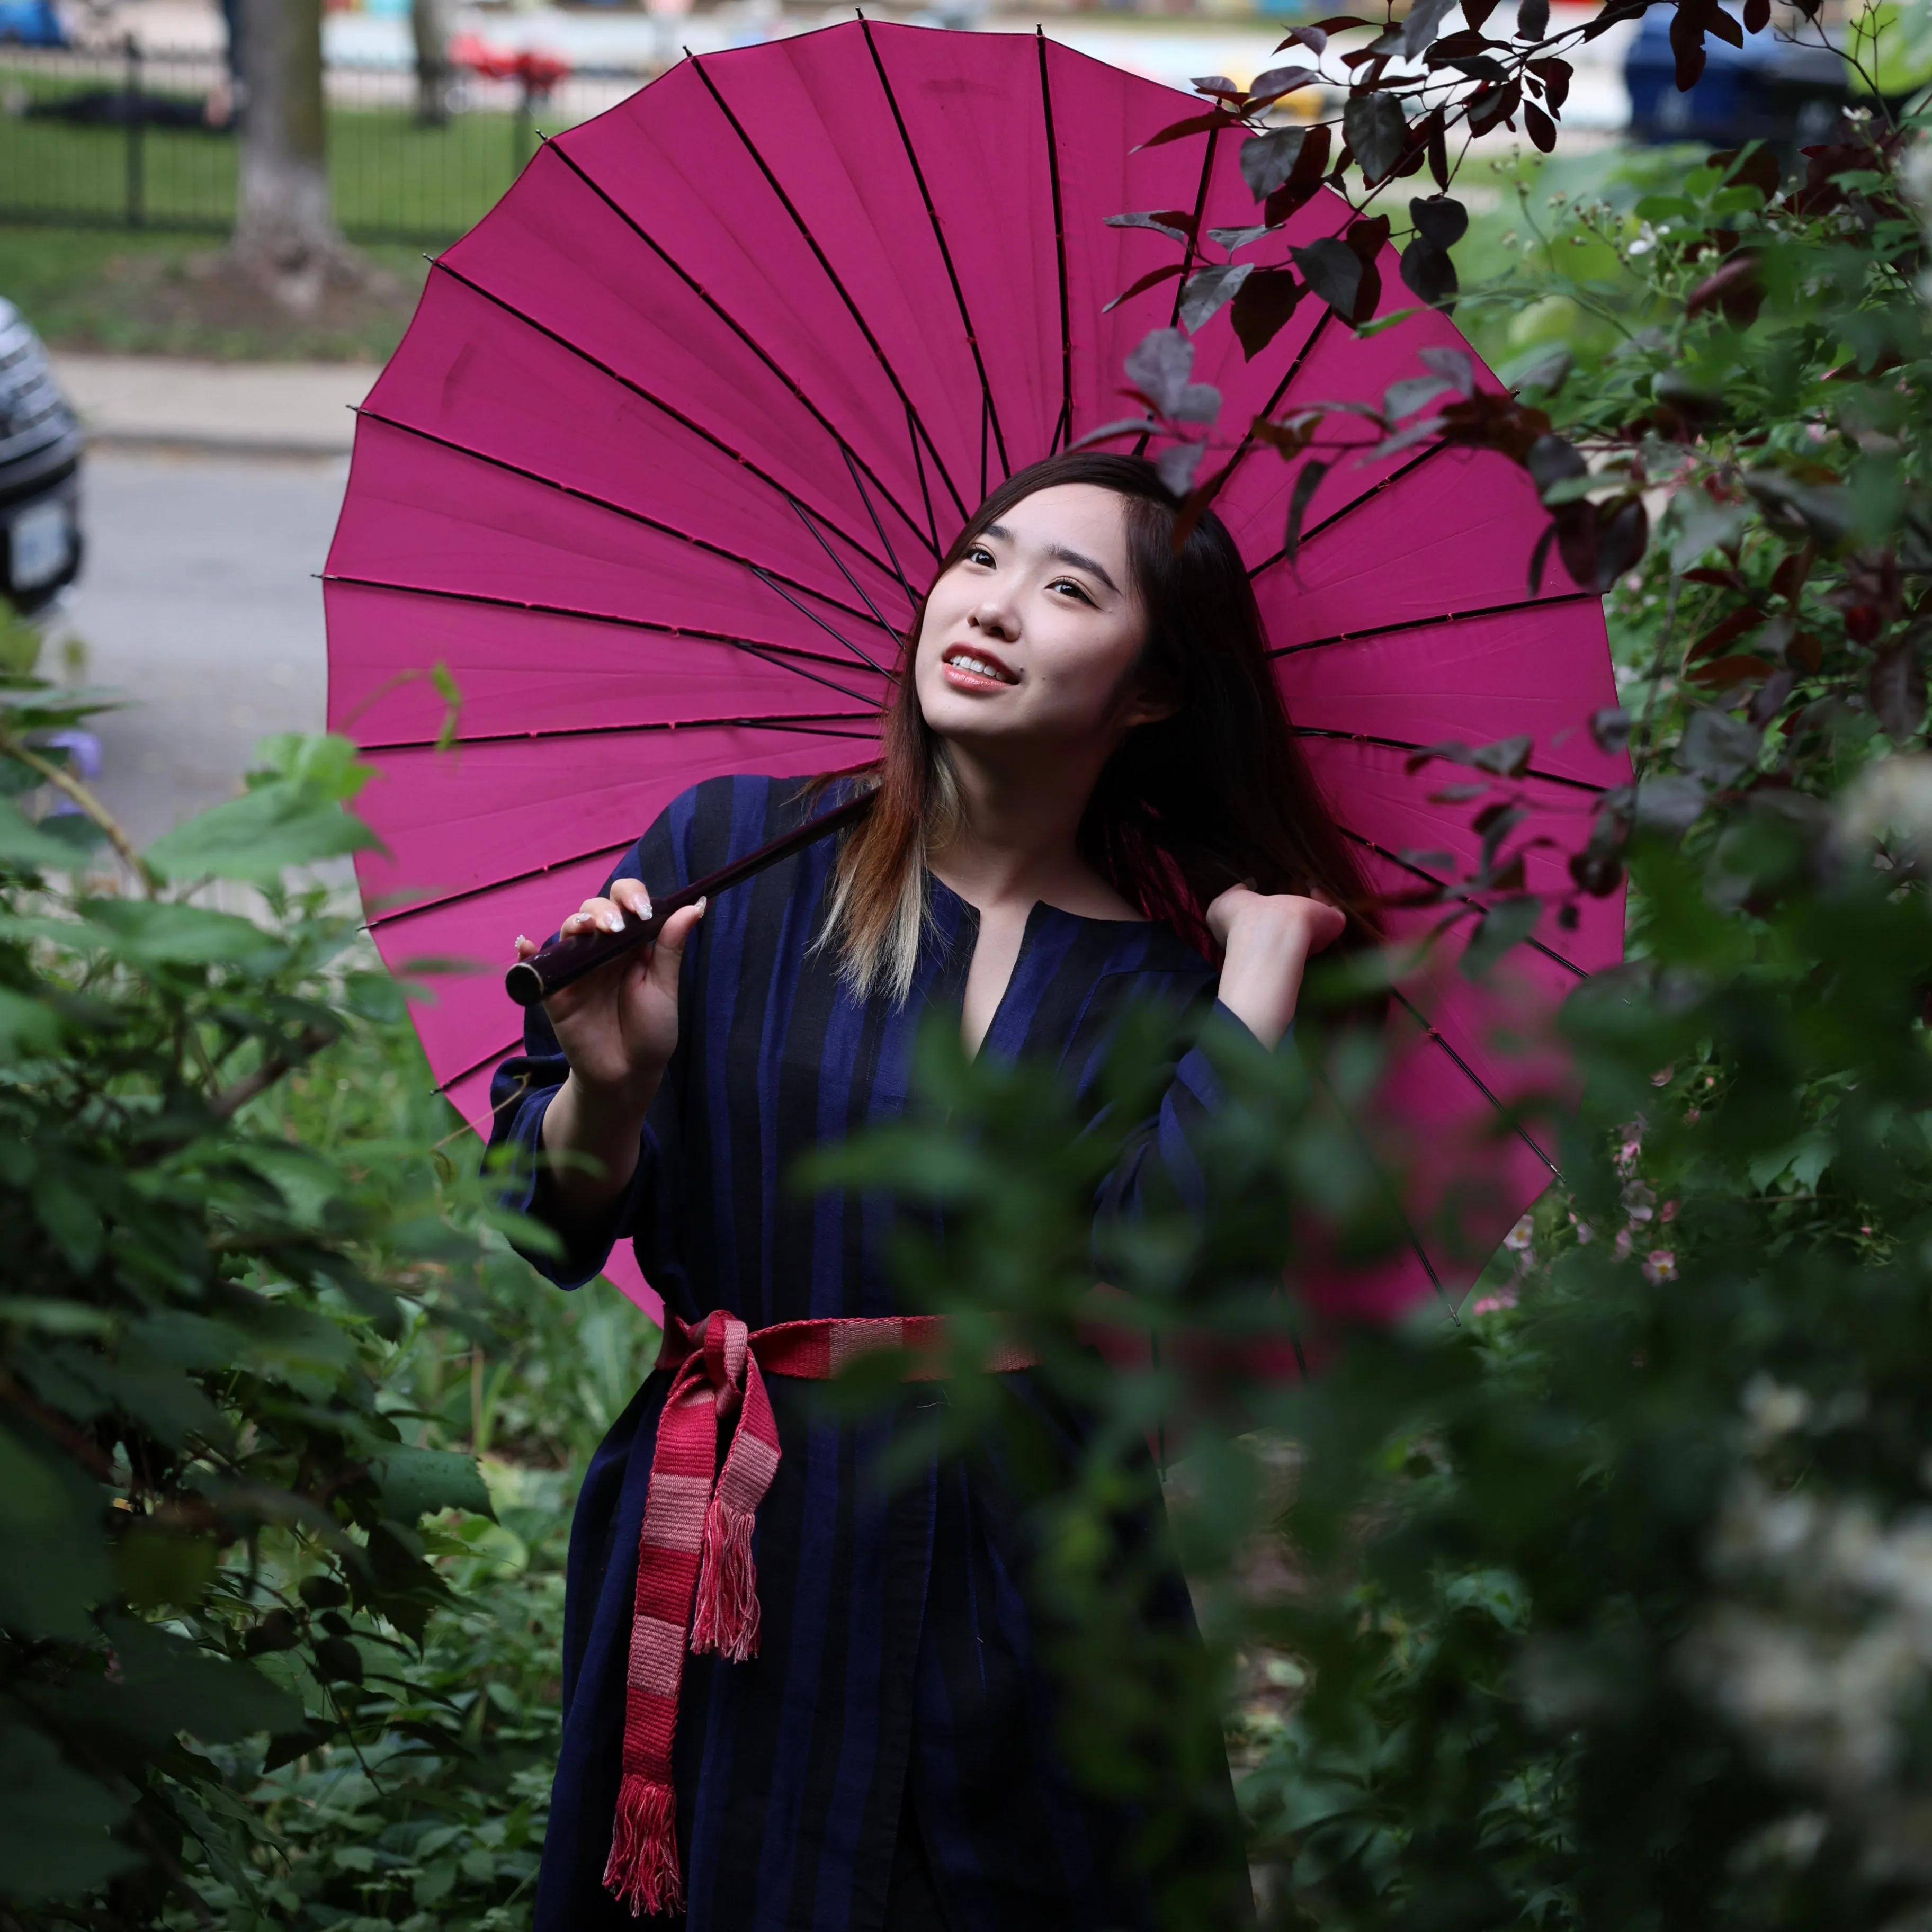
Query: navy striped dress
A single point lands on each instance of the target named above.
(898, 1693)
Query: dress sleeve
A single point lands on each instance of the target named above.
(1160, 1162)
(525, 1084)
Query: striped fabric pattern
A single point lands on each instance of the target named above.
(897, 1679)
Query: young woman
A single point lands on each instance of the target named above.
(1087, 787)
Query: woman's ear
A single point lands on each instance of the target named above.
(1148, 704)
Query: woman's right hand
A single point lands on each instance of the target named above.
(618, 1026)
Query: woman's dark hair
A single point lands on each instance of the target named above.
(1216, 794)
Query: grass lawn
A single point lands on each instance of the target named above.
(393, 181)
(93, 289)
(89, 278)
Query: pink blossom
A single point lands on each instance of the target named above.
(1660, 1264)
(1494, 1304)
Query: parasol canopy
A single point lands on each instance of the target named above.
(680, 430)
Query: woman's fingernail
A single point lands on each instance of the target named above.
(702, 904)
(614, 921)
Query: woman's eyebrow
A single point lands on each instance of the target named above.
(1061, 553)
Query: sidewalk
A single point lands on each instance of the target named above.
(239, 409)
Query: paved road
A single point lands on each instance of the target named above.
(200, 602)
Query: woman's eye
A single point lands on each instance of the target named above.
(977, 555)
(1067, 583)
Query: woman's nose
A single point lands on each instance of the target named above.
(995, 622)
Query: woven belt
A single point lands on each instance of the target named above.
(696, 1588)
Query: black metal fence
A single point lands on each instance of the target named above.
(132, 137)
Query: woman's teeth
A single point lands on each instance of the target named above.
(979, 667)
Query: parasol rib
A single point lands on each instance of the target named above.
(656, 402)
(731, 322)
(1389, 1189)
(1422, 872)
(1370, 632)
(1354, 503)
(1187, 253)
(919, 470)
(777, 656)
(804, 517)
(416, 906)
(570, 490)
(1062, 429)
(811, 241)
(772, 583)
(1408, 744)
(823, 722)
(1475, 1079)
(912, 596)
(1274, 402)
(990, 409)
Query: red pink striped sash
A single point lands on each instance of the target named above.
(696, 1585)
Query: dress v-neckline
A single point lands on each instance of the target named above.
(1038, 914)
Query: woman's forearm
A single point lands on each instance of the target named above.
(592, 1138)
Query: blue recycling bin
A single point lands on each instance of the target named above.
(1785, 93)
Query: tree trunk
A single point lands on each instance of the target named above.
(429, 20)
(285, 236)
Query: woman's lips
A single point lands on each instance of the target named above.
(976, 670)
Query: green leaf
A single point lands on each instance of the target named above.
(416, 1481)
(150, 932)
(277, 827)
(54, 1826)
(36, 847)
(164, 1685)
(1506, 924)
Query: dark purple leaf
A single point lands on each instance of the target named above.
(1555, 75)
(1334, 270)
(1898, 692)
(1551, 461)
(1268, 160)
(1428, 273)
(1262, 306)
(1216, 83)
(1532, 20)
(1611, 728)
(1494, 105)
(1161, 366)
(1304, 178)
(1179, 131)
(1278, 82)
(1232, 238)
(1440, 221)
(1475, 13)
(1418, 29)
(1438, 151)
(1152, 279)
(1716, 21)
(1541, 129)
(1718, 746)
(1538, 558)
(1174, 221)
(1771, 696)
(1454, 366)
(1177, 464)
(1376, 133)
(1757, 16)
(1308, 480)
(1621, 542)
(1686, 43)
(1209, 290)
(1312, 38)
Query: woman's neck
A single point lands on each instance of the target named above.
(1018, 838)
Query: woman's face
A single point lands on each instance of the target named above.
(1031, 639)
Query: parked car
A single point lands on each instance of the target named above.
(39, 470)
(31, 23)
(1787, 93)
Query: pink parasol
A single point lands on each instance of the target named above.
(679, 430)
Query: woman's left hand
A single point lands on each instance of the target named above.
(1266, 939)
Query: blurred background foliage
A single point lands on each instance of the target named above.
(1606, 1604)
